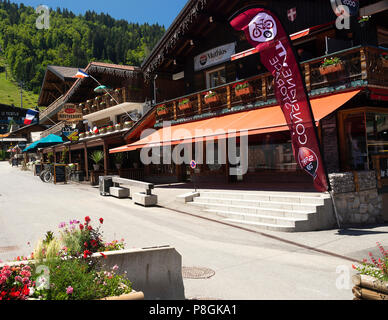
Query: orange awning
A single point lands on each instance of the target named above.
(258, 121)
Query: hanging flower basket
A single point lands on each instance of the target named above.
(243, 89)
(211, 97)
(330, 66)
(162, 110)
(184, 104)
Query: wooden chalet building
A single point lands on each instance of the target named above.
(105, 117)
(201, 57)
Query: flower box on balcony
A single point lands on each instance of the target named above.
(243, 89)
(88, 134)
(128, 124)
(82, 135)
(103, 130)
(109, 129)
(184, 104)
(330, 66)
(211, 97)
(118, 126)
(161, 110)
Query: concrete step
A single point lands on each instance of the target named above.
(298, 215)
(262, 218)
(289, 206)
(264, 226)
(314, 198)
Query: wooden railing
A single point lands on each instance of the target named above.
(360, 64)
(55, 129)
(52, 108)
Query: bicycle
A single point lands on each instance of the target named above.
(263, 25)
(47, 174)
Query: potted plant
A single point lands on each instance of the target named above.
(119, 157)
(109, 128)
(97, 156)
(102, 130)
(184, 104)
(211, 97)
(118, 126)
(82, 135)
(242, 89)
(330, 65)
(161, 110)
(371, 282)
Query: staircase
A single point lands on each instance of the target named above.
(269, 210)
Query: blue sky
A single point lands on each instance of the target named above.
(151, 11)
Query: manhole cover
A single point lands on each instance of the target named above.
(197, 273)
(8, 249)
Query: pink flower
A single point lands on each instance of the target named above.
(115, 267)
(69, 290)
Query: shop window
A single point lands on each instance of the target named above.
(215, 77)
(271, 152)
(377, 141)
(355, 142)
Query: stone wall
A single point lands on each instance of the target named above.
(356, 197)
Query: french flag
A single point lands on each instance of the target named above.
(80, 74)
(30, 116)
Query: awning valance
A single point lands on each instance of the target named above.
(258, 121)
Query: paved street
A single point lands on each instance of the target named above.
(247, 265)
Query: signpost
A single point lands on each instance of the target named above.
(193, 165)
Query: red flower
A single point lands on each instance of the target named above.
(81, 226)
(93, 243)
(26, 291)
(85, 244)
(103, 255)
(87, 219)
(90, 228)
(101, 220)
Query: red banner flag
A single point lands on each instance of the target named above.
(265, 32)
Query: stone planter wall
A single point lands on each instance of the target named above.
(356, 197)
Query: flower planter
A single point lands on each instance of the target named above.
(244, 91)
(109, 129)
(96, 167)
(103, 130)
(184, 106)
(369, 288)
(331, 69)
(212, 99)
(162, 112)
(128, 124)
(82, 135)
(118, 127)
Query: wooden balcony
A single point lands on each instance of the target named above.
(361, 66)
(105, 101)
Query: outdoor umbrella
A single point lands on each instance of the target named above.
(102, 88)
(48, 141)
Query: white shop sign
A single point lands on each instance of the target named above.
(214, 56)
